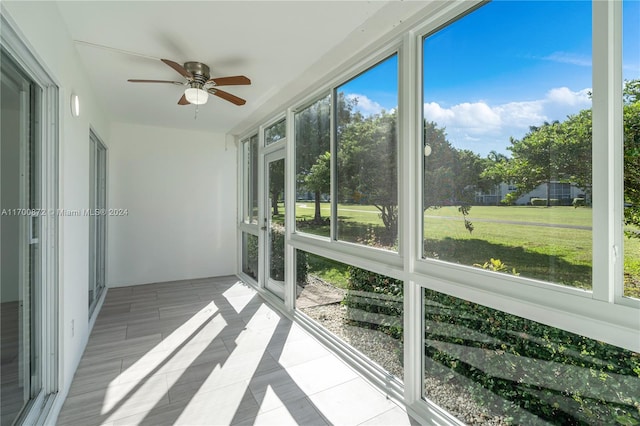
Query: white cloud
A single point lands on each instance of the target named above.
(480, 118)
(564, 96)
(569, 58)
(480, 125)
(365, 105)
(521, 114)
(475, 117)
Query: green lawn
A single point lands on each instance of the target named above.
(547, 243)
(549, 215)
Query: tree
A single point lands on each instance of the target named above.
(276, 183)
(557, 151)
(318, 181)
(631, 115)
(451, 176)
(312, 142)
(561, 151)
(368, 163)
(536, 158)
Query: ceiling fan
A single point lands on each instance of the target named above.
(200, 84)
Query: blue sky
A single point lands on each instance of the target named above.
(502, 68)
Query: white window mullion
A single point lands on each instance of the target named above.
(262, 209)
(409, 232)
(241, 203)
(290, 213)
(333, 148)
(607, 150)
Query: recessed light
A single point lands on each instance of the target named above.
(75, 105)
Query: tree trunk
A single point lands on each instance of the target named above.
(317, 217)
(274, 203)
(549, 193)
(389, 216)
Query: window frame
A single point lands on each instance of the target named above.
(373, 257)
(510, 291)
(602, 314)
(291, 153)
(243, 201)
(49, 133)
(98, 224)
(335, 149)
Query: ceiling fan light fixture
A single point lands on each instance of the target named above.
(196, 96)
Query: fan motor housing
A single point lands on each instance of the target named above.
(199, 71)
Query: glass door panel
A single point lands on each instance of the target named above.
(97, 219)
(20, 304)
(275, 222)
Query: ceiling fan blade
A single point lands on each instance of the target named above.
(227, 96)
(133, 80)
(183, 101)
(236, 80)
(176, 66)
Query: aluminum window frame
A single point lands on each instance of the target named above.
(602, 314)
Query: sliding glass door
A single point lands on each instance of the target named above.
(97, 219)
(21, 255)
(274, 223)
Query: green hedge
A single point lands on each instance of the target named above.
(374, 301)
(578, 202)
(277, 255)
(532, 370)
(543, 202)
(588, 382)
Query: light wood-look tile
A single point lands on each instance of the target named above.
(210, 351)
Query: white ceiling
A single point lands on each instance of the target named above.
(272, 43)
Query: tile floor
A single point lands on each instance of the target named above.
(212, 352)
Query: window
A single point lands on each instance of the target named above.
(97, 219)
(275, 132)
(250, 156)
(250, 255)
(631, 156)
(510, 113)
(361, 308)
(514, 225)
(560, 193)
(513, 370)
(367, 161)
(313, 168)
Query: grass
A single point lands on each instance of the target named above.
(560, 255)
(632, 267)
(548, 243)
(330, 271)
(548, 215)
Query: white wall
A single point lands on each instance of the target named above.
(179, 188)
(44, 30)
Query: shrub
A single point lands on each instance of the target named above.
(496, 265)
(543, 202)
(527, 364)
(374, 301)
(251, 261)
(277, 256)
(578, 202)
(523, 356)
(509, 199)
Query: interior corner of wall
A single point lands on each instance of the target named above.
(230, 140)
